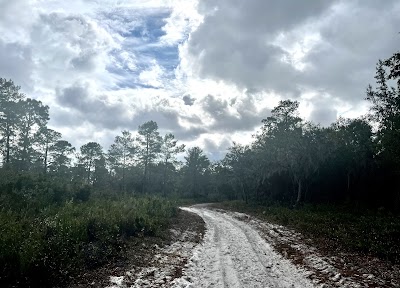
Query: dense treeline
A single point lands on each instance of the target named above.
(290, 160)
(354, 161)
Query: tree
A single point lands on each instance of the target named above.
(385, 108)
(46, 138)
(240, 162)
(281, 140)
(100, 173)
(149, 140)
(169, 150)
(60, 153)
(353, 148)
(90, 153)
(33, 117)
(121, 154)
(9, 116)
(195, 167)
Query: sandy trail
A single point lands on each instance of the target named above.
(235, 255)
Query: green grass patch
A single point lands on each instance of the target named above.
(41, 248)
(371, 232)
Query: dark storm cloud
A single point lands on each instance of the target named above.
(97, 111)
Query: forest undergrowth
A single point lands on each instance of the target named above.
(45, 241)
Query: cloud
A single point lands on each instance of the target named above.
(294, 47)
(97, 110)
(201, 69)
(354, 36)
(237, 115)
(16, 63)
(69, 44)
(235, 42)
(324, 115)
(216, 150)
(188, 100)
(16, 17)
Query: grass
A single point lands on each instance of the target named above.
(376, 233)
(46, 246)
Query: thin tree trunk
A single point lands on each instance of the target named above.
(123, 176)
(244, 193)
(348, 181)
(299, 192)
(8, 149)
(88, 176)
(45, 158)
(144, 178)
(146, 163)
(165, 179)
(195, 184)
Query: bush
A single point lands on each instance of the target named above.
(43, 247)
(83, 194)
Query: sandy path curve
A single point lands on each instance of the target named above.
(233, 254)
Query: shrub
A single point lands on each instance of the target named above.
(47, 245)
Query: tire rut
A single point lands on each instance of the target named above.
(242, 257)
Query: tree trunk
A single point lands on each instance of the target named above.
(164, 180)
(146, 164)
(45, 158)
(299, 192)
(8, 149)
(244, 193)
(123, 176)
(88, 176)
(348, 181)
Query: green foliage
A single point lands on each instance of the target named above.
(91, 153)
(43, 241)
(195, 173)
(385, 109)
(83, 193)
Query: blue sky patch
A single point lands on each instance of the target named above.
(142, 33)
(149, 28)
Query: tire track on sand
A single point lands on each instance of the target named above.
(233, 254)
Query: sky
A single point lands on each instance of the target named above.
(207, 71)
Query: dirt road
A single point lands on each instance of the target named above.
(234, 255)
(239, 250)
